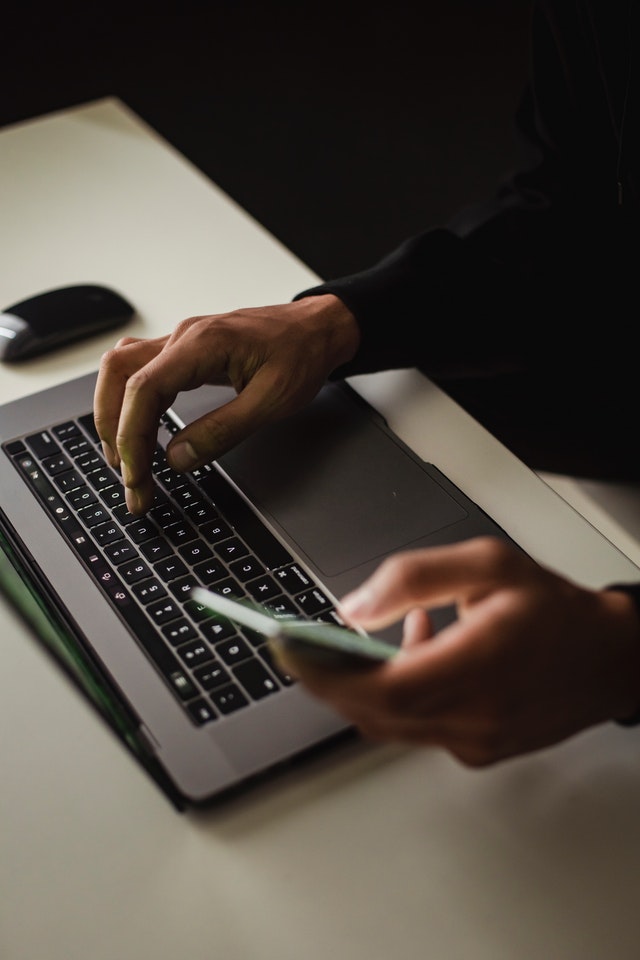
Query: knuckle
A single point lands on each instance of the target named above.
(139, 380)
(496, 554)
(111, 360)
(186, 324)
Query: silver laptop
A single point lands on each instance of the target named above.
(293, 517)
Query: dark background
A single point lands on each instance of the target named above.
(341, 128)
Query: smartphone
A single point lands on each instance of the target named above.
(324, 642)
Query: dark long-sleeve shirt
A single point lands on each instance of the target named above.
(524, 307)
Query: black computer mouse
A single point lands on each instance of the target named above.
(57, 317)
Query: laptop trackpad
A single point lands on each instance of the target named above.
(341, 487)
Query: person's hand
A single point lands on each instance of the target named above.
(531, 660)
(276, 358)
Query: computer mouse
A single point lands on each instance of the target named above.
(56, 317)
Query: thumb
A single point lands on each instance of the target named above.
(219, 430)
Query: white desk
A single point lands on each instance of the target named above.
(368, 852)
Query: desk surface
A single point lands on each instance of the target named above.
(366, 851)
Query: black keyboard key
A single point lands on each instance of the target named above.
(178, 630)
(212, 675)
(216, 530)
(185, 495)
(217, 628)
(200, 711)
(106, 533)
(293, 579)
(201, 512)
(170, 568)
(88, 462)
(194, 653)
(312, 602)
(81, 497)
(132, 572)
(43, 445)
(165, 514)
(182, 587)
(121, 552)
(156, 549)
(165, 611)
(141, 532)
(57, 464)
(195, 552)
(197, 611)
(233, 650)
(263, 589)
(15, 448)
(69, 480)
(232, 549)
(121, 513)
(282, 607)
(114, 497)
(179, 533)
(255, 678)
(104, 477)
(64, 431)
(148, 590)
(229, 698)
(77, 446)
(94, 514)
(209, 571)
(170, 478)
(228, 587)
(246, 569)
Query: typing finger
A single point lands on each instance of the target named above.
(117, 365)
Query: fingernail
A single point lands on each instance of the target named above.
(134, 504)
(182, 456)
(358, 603)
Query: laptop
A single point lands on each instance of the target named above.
(294, 517)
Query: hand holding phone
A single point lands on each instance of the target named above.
(324, 642)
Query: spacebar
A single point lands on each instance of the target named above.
(247, 524)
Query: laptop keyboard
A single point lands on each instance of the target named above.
(199, 531)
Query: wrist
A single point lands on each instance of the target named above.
(338, 325)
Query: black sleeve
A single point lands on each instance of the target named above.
(511, 284)
(411, 304)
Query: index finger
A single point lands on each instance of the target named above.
(116, 366)
(148, 392)
(458, 573)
